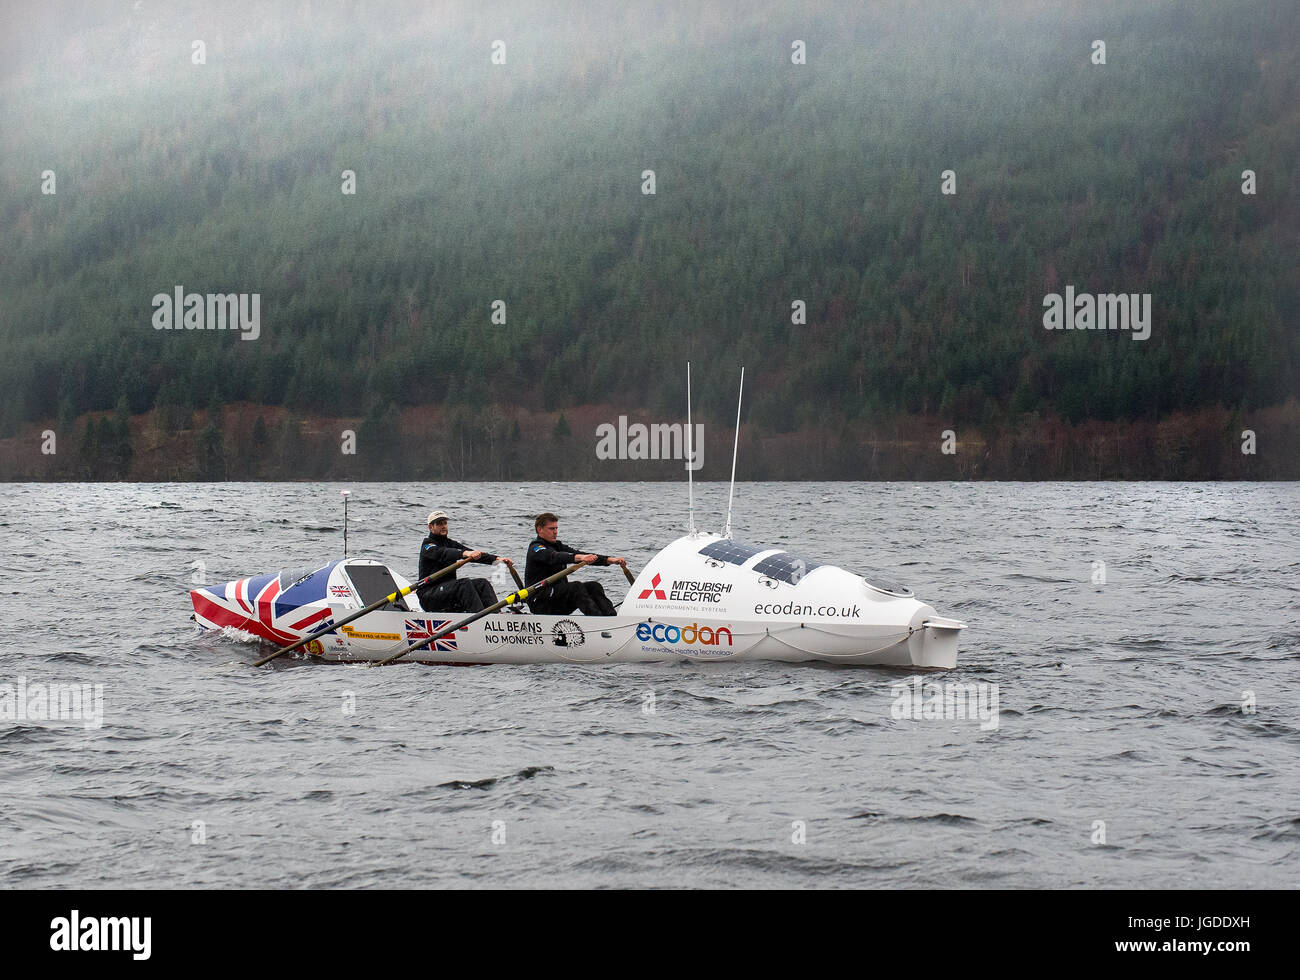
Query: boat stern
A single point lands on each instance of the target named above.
(933, 643)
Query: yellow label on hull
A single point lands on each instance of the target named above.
(360, 635)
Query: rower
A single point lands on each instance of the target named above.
(450, 594)
(547, 554)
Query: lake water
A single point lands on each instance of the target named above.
(1144, 640)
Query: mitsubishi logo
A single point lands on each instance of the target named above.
(654, 587)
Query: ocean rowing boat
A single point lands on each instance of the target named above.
(704, 597)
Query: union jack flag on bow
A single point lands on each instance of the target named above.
(422, 629)
(269, 606)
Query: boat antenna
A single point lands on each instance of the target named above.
(690, 453)
(726, 531)
(346, 494)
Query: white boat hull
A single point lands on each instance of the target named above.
(703, 598)
(530, 639)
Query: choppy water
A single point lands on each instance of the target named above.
(1119, 702)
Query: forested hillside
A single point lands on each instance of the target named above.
(522, 182)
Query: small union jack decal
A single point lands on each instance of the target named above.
(422, 629)
(340, 590)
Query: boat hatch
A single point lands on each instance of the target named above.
(373, 582)
(890, 588)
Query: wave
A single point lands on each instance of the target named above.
(528, 772)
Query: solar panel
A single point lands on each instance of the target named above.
(785, 567)
(735, 552)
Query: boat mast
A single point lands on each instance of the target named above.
(690, 453)
(345, 521)
(726, 532)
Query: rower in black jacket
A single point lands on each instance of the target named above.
(450, 594)
(548, 555)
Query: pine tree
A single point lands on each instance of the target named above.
(122, 449)
(87, 463)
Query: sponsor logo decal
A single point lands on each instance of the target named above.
(513, 631)
(315, 648)
(686, 590)
(654, 587)
(690, 591)
(798, 609)
(355, 634)
(693, 634)
(567, 633)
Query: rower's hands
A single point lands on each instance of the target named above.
(471, 555)
(618, 561)
(507, 561)
(584, 559)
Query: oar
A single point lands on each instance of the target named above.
(514, 574)
(331, 627)
(509, 600)
(630, 577)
